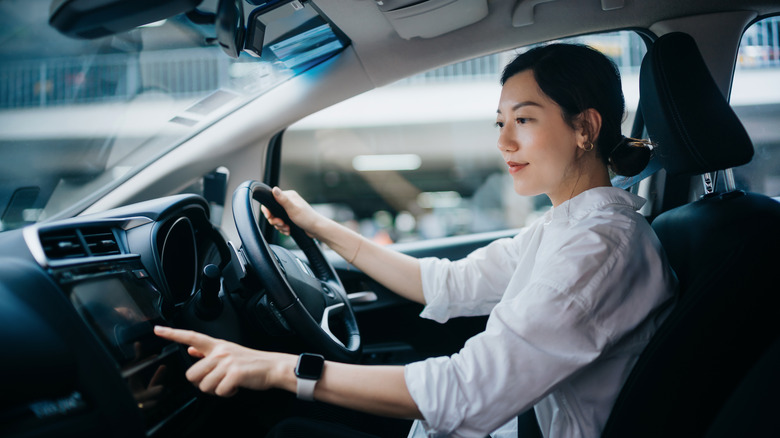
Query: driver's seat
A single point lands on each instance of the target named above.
(724, 247)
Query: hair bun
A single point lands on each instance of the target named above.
(630, 156)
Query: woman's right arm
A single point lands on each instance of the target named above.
(397, 272)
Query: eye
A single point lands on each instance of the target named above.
(499, 125)
(522, 120)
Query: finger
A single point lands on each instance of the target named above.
(267, 213)
(198, 371)
(284, 229)
(201, 342)
(280, 197)
(211, 380)
(158, 376)
(227, 386)
(148, 394)
(278, 194)
(280, 226)
(276, 222)
(194, 352)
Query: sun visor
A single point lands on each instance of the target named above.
(431, 18)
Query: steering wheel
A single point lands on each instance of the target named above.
(311, 297)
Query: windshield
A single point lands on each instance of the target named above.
(78, 117)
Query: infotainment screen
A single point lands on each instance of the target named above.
(122, 308)
(123, 311)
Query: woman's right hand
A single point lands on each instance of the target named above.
(299, 211)
(396, 271)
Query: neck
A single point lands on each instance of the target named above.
(589, 177)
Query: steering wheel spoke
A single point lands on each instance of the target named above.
(333, 310)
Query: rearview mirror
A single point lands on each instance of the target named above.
(90, 19)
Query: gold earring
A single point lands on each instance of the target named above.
(588, 146)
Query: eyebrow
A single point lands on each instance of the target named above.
(521, 104)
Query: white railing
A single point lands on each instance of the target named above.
(116, 77)
(760, 46)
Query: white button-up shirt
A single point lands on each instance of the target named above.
(573, 299)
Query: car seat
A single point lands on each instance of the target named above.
(752, 408)
(724, 248)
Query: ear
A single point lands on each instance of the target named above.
(588, 127)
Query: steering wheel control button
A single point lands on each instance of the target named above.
(308, 371)
(327, 291)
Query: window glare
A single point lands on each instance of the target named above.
(755, 97)
(78, 117)
(433, 169)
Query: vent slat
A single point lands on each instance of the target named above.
(63, 245)
(101, 242)
(69, 244)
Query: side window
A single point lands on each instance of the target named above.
(418, 159)
(755, 97)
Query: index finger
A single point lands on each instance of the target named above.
(187, 337)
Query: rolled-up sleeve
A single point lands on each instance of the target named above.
(531, 343)
(471, 286)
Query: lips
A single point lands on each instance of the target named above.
(515, 167)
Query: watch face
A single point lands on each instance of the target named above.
(309, 366)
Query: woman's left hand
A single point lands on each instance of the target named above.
(224, 367)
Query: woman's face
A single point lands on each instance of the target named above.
(538, 146)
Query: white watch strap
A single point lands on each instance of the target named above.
(305, 389)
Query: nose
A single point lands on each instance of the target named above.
(506, 139)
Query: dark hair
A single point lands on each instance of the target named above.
(578, 78)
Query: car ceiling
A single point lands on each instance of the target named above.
(387, 57)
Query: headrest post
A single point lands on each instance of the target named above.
(708, 182)
(731, 184)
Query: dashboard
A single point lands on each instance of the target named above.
(78, 301)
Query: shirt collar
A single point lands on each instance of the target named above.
(596, 198)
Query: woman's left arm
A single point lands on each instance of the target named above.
(224, 367)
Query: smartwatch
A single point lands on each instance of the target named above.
(308, 372)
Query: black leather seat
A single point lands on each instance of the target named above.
(751, 410)
(724, 247)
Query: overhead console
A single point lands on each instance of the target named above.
(523, 13)
(431, 18)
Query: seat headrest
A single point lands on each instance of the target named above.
(686, 115)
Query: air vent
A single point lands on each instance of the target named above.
(62, 244)
(75, 243)
(101, 241)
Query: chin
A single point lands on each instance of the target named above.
(526, 191)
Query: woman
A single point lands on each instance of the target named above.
(572, 299)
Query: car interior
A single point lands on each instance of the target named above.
(139, 139)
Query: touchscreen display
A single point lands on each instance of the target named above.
(123, 311)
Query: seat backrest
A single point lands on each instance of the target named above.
(752, 408)
(724, 247)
